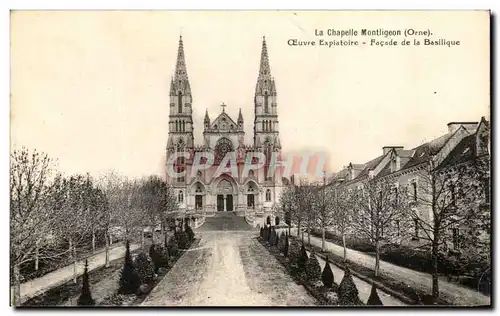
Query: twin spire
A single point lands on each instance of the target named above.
(180, 67)
(265, 70)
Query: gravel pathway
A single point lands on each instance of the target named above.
(228, 268)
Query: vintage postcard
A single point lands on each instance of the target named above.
(238, 158)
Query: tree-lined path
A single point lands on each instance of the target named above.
(450, 292)
(228, 268)
(53, 279)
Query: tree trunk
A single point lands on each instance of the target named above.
(36, 258)
(345, 248)
(323, 243)
(93, 241)
(309, 234)
(164, 234)
(75, 275)
(377, 257)
(435, 271)
(106, 251)
(142, 239)
(298, 228)
(16, 296)
(435, 279)
(153, 231)
(110, 239)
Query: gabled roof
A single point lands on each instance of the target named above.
(464, 151)
(223, 122)
(423, 152)
(370, 165)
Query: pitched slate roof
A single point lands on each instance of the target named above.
(370, 165)
(425, 151)
(462, 152)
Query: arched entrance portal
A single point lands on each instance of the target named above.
(225, 192)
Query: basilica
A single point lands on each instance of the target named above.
(206, 192)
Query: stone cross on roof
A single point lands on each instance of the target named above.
(223, 107)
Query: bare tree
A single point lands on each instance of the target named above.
(343, 207)
(112, 186)
(323, 208)
(450, 195)
(32, 215)
(286, 204)
(380, 209)
(307, 194)
(76, 218)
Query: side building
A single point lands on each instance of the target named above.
(447, 177)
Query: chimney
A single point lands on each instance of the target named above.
(386, 149)
(453, 126)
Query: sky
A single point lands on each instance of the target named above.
(91, 88)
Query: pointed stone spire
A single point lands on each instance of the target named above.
(240, 117)
(265, 70)
(180, 67)
(207, 119)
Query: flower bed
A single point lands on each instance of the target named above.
(148, 281)
(307, 271)
(389, 285)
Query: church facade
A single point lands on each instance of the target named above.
(250, 190)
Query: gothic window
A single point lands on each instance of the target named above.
(262, 125)
(396, 195)
(223, 146)
(183, 126)
(181, 197)
(250, 200)
(453, 197)
(415, 223)
(179, 102)
(198, 201)
(268, 195)
(414, 190)
(198, 189)
(176, 126)
(266, 102)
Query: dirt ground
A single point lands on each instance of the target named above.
(228, 268)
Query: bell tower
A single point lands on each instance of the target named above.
(180, 125)
(266, 125)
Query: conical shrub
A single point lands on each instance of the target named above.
(173, 248)
(348, 293)
(327, 275)
(189, 231)
(374, 299)
(302, 260)
(145, 268)
(129, 279)
(155, 257)
(313, 269)
(85, 298)
(294, 251)
(281, 243)
(285, 247)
